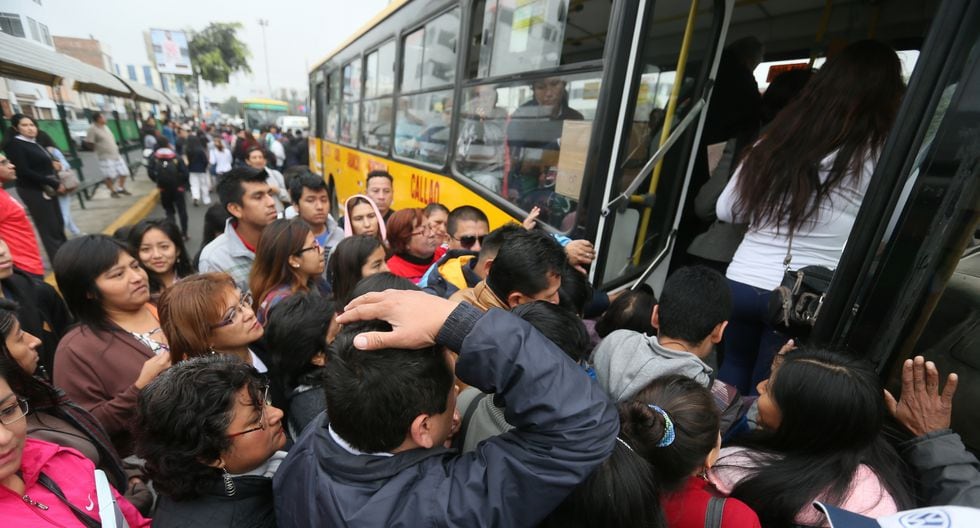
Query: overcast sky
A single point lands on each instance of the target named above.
(299, 34)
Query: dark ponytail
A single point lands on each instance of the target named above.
(693, 419)
(621, 493)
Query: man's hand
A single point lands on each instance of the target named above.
(580, 254)
(923, 408)
(415, 317)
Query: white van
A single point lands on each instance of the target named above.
(293, 122)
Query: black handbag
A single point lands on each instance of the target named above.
(795, 305)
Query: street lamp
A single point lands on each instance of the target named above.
(264, 22)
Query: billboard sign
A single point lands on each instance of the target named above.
(170, 51)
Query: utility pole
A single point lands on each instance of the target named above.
(264, 22)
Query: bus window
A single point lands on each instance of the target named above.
(379, 71)
(511, 137)
(422, 126)
(516, 36)
(376, 125)
(352, 92)
(333, 107)
(379, 67)
(429, 56)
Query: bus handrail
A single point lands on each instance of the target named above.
(658, 155)
(656, 260)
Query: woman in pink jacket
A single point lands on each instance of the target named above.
(43, 484)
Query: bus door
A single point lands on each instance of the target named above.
(908, 282)
(674, 56)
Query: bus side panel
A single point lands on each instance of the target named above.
(413, 187)
(316, 157)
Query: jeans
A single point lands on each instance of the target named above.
(750, 342)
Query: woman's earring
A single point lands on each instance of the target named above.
(211, 350)
(229, 484)
(703, 474)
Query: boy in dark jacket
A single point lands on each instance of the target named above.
(379, 459)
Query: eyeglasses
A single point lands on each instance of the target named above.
(14, 413)
(245, 301)
(262, 423)
(4, 162)
(469, 241)
(316, 246)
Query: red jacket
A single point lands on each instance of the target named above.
(397, 265)
(686, 508)
(74, 474)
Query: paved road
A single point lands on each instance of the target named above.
(195, 220)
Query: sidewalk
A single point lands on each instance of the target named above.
(104, 214)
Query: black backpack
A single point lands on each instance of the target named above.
(166, 173)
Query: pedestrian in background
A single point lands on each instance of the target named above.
(197, 165)
(111, 163)
(37, 182)
(64, 199)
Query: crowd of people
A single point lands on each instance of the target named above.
(416, 367)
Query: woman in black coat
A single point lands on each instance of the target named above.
(37, 181)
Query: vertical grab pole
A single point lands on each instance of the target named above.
(668, 118)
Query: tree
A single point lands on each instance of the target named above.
(232, 106)
(216, 52)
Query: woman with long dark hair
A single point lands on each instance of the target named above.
(297, 337)
(53, 417)
(117, 348)
(821, 415)
(160, 248)
(37, 181)
(800, 188)
(288, 260)
(353, 259)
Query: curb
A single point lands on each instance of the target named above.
(135, 213)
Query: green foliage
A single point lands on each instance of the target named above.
(216, 52)
(232, 106)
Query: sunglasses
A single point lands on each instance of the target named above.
(469, 241)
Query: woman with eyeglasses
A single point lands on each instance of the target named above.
(41, 483)
(54, 418)
(206, 314)
(288, 260)
(414, 244)
(212, 443)
(117, 347)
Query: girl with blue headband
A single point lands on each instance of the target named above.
(674, 425)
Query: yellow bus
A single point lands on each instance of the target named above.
(594, 110)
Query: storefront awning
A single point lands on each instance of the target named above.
(142, 92)
(24, 60)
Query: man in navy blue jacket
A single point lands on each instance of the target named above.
(380, 461)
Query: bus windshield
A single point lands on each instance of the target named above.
(260, 114)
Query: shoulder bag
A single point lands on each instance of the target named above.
(795, 305)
